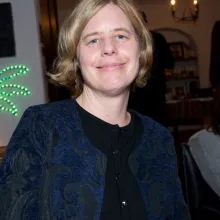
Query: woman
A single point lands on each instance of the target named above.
(90, 158)
(205, 145)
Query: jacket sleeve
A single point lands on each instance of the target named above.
(21, 169)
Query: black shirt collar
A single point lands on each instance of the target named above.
(102, 133)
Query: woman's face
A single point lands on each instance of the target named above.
(108, 52)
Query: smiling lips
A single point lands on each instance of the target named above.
(111, 66)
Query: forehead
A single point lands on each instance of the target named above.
(108, 18)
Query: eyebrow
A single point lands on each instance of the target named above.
(114, 30)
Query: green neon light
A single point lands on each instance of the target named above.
(13, 71)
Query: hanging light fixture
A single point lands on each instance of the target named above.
(191, 15)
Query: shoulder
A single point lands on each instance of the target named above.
(51, 110)
(47, 116)
(53, 107)
(154, 130)
(204, 139)
(202, 136)
(200, 133)
(40, 121)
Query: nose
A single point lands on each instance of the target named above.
(108, 47)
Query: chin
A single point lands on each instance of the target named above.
(115, 91)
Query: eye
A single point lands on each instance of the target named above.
(121, 37)
(94, 41)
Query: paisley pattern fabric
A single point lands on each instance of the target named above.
(51, 171)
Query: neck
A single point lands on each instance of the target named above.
(110, 109)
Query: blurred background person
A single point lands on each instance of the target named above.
(150, 100)
(205, 146)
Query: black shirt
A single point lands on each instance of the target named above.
(122, 196)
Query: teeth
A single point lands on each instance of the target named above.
(109, 66)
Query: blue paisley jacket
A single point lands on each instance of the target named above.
(51, 171)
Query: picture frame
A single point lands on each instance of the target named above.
(177, 49)
(180, 92)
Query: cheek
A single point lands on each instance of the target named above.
(134, 55)
(137, 55)
(131, 50)
(86, 56)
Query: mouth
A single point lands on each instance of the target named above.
(111, 66)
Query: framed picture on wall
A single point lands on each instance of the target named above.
(7, 39)
(180, 92)
(177, 49)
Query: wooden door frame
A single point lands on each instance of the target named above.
(49, 28)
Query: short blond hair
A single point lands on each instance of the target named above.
(66, 67)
